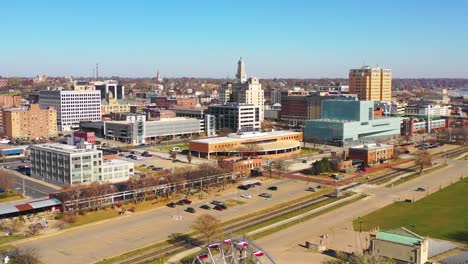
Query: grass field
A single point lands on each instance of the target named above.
(442, 215)
(169, 147)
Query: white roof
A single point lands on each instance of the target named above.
(247, 135)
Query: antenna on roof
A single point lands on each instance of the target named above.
(97, 71)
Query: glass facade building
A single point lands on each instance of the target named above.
(346, 121)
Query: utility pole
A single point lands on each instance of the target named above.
(24, 188)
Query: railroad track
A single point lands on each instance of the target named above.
(449, 154)
(253, 220)
(230, 228)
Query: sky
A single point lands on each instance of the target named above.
(282, 39)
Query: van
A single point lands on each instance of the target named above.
(176, 149)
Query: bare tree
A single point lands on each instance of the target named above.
(34, 229)
(280, 165)
(26, 256)
(225, 131)
(267, 125)
(209, 226)
(423, 158)
(6, 181)
(12, 227)
(189, 157)
(173, 155)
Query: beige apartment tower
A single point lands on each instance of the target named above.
(33, 123)
(371, 83)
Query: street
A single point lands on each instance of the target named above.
(89, 244)
(284, 245)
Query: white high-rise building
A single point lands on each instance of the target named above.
(72, 107)
(250, 92)
(241, 74)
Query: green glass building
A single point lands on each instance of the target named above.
(346, 121)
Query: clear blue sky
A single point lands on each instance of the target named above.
(289, 38)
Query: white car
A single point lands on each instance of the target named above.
(246, 196)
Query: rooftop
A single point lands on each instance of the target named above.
(64, 148)
(372, 146)
(401, 239)
(116, 162)
(246, 135)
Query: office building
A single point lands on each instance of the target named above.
(195, 112)
(241, 166)
(371, 83)
(250, 92)
(72, 107)
(174, 102)
(66, 164)
(275, 144)
(236, 116)
(112, 105)
(225, 93)
(8, 101)
(106, 88)
(344, 121)
(135, 130)
(424, 110)
(297, 108)
(33, 123)
(372, 154)
(277, 95)
(412, 126)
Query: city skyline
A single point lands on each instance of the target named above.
(205, 39)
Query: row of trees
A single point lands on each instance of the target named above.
(74, 192)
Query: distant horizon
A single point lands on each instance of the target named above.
(215, 78)
(299, 39)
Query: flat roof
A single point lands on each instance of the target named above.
(116, 162)
(247, 135)
(171, 119)
(63, 148)
(371, 146)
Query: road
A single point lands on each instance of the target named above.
(285, 245)
(95, 242)
(32, 187)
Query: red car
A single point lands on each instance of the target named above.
(219, 208)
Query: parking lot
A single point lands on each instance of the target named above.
(155, 160)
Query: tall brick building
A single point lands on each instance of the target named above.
(33, 123)
(8, 101)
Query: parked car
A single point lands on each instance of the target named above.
(143, 165)
(205, 206)
(243, 187)
(157, 169)
(219, 208)
(149, 155)
(190, 210)
(172, 205)
(216, 202)
(176, 149)
(310, 189)
(184, 201)
(246, 196)
(273, 188)
(144, 153)
(265, 195)
(150, 166)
